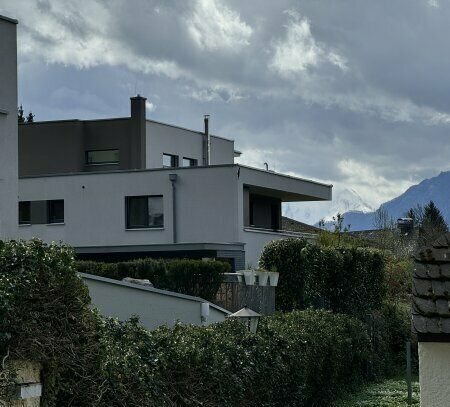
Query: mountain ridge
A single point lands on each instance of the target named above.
(436, 189)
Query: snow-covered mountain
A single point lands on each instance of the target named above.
(435, 189)
(344, 200)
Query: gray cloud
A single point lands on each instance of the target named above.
(350, 92)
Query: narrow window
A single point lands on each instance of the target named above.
(24, 213)
(55, 211)
(170, 160)
(189, 162)
(144, 212)
(102, 157)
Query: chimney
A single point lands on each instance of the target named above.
(138, 137)
(206, 142)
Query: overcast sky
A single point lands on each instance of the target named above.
(350, 92)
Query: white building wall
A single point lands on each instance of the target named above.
(434, 374)
(154, 308)
(8, 129)
(165, 139)
(94, 206)
(222, 151)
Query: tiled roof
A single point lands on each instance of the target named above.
(293, 225)
(431, 288)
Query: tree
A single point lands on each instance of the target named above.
(430, 222)
(433, 224)
(20, 117)
(30, 117)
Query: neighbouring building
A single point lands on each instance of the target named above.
(8, 128)
(431, 321)
(132, 187)
(122, 300)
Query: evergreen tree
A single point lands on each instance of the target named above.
(433, 223)
(30, 117)
(20, 116)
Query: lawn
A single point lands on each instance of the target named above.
(389, 393)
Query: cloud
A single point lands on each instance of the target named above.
(214, 26)
(299, 50)
(370, 184)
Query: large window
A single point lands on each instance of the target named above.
(170, 160)
(24, 213)
(144, 212)
(189, 162)
(55, 211)
(102, 157)
(41, 212)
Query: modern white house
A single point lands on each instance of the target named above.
(8, 128)
(132, 187)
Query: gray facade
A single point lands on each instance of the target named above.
(125, 187)
(8, 128)
(154, 307)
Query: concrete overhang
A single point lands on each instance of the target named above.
(170, 247)
(284, 187)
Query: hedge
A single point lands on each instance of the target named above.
(45, 317)
(193, 277)
(303, 358)
(348, 281)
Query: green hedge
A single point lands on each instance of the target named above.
(45, 317)
(344, 280)
(193, 277)
(304, 358)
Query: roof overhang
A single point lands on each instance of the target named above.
(284, 187)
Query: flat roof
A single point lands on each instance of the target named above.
(171, 169)
(10, 20)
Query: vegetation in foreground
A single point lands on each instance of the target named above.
(388, 393)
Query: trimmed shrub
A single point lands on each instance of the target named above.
(344, 280)
(45, 317)
(193, 277)
(284, 256)
(304, 358)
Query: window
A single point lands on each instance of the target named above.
(24, 213)
(55, 211)
(170, 160)
(189, 162)
(144, 212)
(102, 157)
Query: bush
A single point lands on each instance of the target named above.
(45, 317)
(193, 277)
(344, 280)
(304, 358)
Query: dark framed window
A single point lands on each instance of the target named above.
(55, 211)
(189, 162)
(102, 157)
(170, 160)
(24, 213)
(144, 212)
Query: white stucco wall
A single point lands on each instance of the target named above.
(434, 374)
(255, 240)
(166, 139)
(8, 129)
(154, 307)
(94, 206)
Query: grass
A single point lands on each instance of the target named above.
(389, 393)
